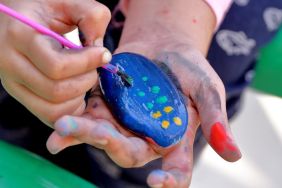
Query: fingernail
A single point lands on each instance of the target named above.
(160, 175)
(54, 151)
(99, 42)
(66, 126)
(220, 140)
(107, 57)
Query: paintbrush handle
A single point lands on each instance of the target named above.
(45, 31)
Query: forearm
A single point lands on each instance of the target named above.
(148, 20)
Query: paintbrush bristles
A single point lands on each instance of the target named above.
(126, 79)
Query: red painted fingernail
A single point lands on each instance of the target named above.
(219, 139)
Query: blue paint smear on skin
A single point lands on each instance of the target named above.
(159, 173)
(129, 104)
(113, 132)
(67, 127)
(73, 125)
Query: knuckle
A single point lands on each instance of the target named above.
(56, 92)
(209, 95)
(55, 68)
(208, 84)
(214, 86)
(102, 13)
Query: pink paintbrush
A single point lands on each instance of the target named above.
(45, 31)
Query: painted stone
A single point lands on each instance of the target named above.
(152, 107)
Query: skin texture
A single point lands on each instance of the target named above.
(37, 70)
(120, 144)
(176, 34)
(155, 29)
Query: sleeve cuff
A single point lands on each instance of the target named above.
(220, 8)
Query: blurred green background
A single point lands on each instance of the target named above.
(20, 168)
(269, 68)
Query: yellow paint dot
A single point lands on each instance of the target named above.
(168, 109)
(177, 121)
(156, 115)
(165, 124)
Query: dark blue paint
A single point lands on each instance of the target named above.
(128, 104)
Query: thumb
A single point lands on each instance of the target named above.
(91, 17)
(57, 143)
(210, 102)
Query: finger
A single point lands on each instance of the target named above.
(98, 109)
(208, 95)
(126, 152)
(209, 99)
(56, 91)
(176, 170)
(57, 143)
(45, 111)
(59, 63)
(177, 164)
(91, 17)
(48, 55)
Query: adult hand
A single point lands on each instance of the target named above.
(48, 79)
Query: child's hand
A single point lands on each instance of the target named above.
(98, 127)
(205, 94)
(206, 106)
(46, 78)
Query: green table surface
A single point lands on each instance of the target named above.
(23, 169)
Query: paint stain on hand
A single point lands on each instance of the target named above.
(219, 139)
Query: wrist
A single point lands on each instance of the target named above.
(154, 20)
(154, 49)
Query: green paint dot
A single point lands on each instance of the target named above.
(162, 99)
(149, 105)
(141, 93)
(145, 78)
(155, 89)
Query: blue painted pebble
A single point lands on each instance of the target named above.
(152, 107)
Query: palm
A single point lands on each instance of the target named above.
(98, 110)
(205, 98)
